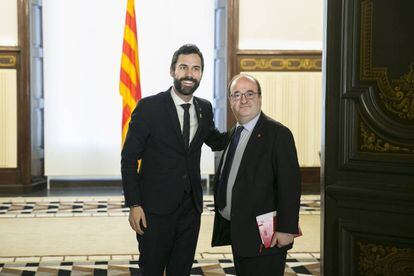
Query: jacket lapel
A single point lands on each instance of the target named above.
(201, 120)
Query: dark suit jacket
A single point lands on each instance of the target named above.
(268, 179)
(155, 137)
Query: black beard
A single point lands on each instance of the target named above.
(184, 90)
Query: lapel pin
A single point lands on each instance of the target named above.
(259, 135)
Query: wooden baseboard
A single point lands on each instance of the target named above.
(311, 180)
(84, 183)
(36, 185)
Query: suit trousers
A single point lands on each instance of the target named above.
(268, 265)
(169, 241)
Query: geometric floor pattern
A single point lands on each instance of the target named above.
(217, 265)
(113, 206)
(296, 264)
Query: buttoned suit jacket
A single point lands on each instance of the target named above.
(167, 167)
(268, 179)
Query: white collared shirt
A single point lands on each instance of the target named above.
(180, 112)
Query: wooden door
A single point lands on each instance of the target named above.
(368, 148)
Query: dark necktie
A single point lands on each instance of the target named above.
(186, 124)
(222, 185)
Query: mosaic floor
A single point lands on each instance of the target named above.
(100, 206)
(296, 264)
(204, 264)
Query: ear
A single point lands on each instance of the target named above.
(172, 73)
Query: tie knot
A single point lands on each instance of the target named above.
(186, 106)
(239, 129)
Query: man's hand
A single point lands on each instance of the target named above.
(136, 216)
(281, 239)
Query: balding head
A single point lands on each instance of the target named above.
(245, 97)
(239, 76)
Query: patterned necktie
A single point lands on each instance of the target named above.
(186, 124)
(222, 184)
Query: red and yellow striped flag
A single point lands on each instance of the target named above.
(129, 86)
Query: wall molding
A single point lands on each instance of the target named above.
(9, 57)
(277, 61)
(8, 61)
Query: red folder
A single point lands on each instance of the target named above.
(267, 224)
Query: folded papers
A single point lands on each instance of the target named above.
(267, 224)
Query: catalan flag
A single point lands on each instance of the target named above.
(129, 86)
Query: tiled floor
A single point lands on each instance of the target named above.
(211, 264)
(79, 205)
(103, 206)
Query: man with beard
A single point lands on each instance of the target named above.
(164, 195)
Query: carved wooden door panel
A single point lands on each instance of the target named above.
(368, 144)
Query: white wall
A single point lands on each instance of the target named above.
(8, 23)
(281, 24)
(82, 52)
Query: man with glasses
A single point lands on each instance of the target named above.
(258, 174)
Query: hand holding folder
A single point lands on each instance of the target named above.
(267, 224)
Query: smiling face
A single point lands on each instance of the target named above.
(243, 108)
(187, 74)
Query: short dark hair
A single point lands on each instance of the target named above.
(259, 88)
(186, 49)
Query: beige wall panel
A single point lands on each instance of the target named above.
(281, 24)
(294, 99)
(8, 23)
(8, 118)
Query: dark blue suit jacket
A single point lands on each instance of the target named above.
(154, 136)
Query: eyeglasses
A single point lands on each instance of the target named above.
(249, 95)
